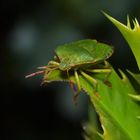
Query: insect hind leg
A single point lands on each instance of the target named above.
(91, 79)
(106, 71)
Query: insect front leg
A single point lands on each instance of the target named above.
(71, 83)
(78, 85)
(73, 87)
(53, 63)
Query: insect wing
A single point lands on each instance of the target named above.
(82, 52)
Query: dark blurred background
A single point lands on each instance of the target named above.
(29, 32)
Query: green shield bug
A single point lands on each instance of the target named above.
(81, 57)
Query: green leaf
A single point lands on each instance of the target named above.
(115, 100)
(135, 97)
(135, 76)
(92, 129)
(117, 111)
(131, 35)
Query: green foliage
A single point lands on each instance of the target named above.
(118, 113)
(131, 35)
(115, 100)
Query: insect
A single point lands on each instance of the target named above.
(81, 58)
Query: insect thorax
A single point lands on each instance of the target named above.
(64, 66)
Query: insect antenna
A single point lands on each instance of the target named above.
(42, 70)
(34, 74)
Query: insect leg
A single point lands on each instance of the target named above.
(88, 77)
(71, 83)
(107, 65)
(53, 63)
(99, 70)
(108, 83)
(107, 71)
(73, 86)
(77, 80)
(78, 85)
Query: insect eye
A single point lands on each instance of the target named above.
(56, 58)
